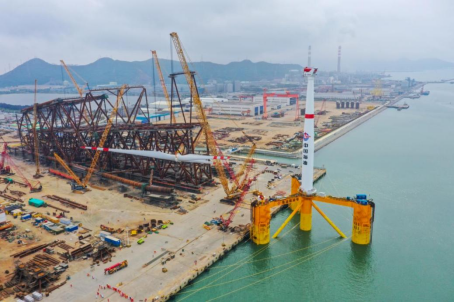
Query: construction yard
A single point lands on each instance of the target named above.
(187, 239)
(273, 132)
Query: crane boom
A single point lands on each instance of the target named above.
(104, 135)
(35, 134)
(201, 112)
(163, 84)
(79, 90)
(70, 172)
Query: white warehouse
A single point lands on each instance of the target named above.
(237, 108)
(274, 101)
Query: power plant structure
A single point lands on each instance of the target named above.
(66, 125)
(338, 59)
(303, 194)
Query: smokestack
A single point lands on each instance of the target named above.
(339, 60)
(309, 54)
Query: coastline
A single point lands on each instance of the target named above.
(184, 239)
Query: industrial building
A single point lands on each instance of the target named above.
(275, 101)
(237, 108)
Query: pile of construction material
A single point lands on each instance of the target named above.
(245, 139)
(29, 280)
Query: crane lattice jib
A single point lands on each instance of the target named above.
(248, 161)
(66, 167)
(104, 135)
(163, 84)
(201, 112)
(35, 137)
(81, 92)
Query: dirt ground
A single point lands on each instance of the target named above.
(107, 207)
(268, 129)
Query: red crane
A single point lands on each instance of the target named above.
(226, 222)
(37, 187)
(265, 100)
(320, 112)
(297, 104)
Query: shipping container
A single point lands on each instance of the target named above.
(36, 202)
(72, 228)
(103, 234)
(51, 219)
(112, 241)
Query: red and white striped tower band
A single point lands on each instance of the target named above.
(307, 172)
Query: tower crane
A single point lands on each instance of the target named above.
(163, 84)
(35, 136)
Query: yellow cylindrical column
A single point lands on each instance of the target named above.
(306, 215)
(260, 223)
(294, 190)
(362, 224)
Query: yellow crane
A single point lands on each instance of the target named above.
(163, 84)
(104, 135)
(70, 172)
(201, 113)
(79, 90)
(247, 161)
(35, 134)
(83, 185)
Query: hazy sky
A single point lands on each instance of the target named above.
(223, 31)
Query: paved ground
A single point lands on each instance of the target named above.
(187, 233)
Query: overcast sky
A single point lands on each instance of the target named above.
(223, 31)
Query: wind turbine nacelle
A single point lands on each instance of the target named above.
(309, 71)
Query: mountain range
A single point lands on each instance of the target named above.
(106, 70)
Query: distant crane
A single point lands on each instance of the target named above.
(320, 112)
(377, 92)
(265, 103)
(78, 88)
(163, 84)
(297, 103)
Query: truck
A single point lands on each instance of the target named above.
(116, 267)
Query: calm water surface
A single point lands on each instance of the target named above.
(405, 162)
